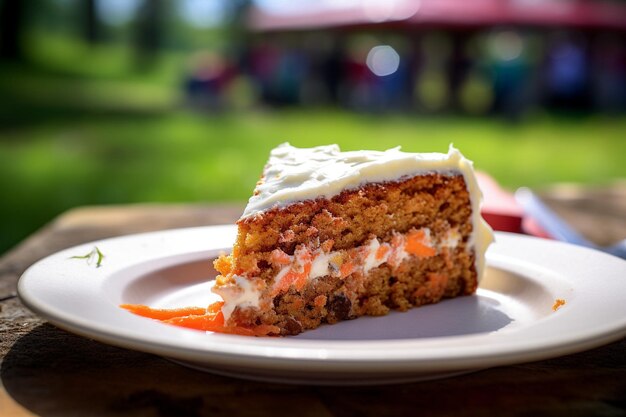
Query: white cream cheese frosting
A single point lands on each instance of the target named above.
(298, 174)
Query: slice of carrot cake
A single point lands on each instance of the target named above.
(331, 235)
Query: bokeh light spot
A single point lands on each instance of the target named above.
(383, 60)
(507, 45)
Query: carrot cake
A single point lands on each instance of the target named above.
(331, 235)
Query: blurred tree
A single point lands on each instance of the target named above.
(236, 33)
(92, 29)
(149, 32)
(237, 12)
(12, 17)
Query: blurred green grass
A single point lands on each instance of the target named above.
(98, 133)
(182, 156)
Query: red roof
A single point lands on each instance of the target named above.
(448, 13)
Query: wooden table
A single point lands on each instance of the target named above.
(49, 372)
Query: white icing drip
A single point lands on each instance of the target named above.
(294, 174)
(482, 235)
(244, 293)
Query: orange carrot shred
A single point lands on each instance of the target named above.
(284, 284)
(382, 251)
(210, 319)
(206, 322)
(320, 301)
(302, 278)
(162, 314)
(558, 303)
(415, 244)
(215, 307)
(294, 277)
(346, 269)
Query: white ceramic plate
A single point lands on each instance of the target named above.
(509, 321)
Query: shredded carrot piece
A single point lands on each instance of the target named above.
(206, 322)
(558, 303)
(215, 308)
(303, 277)
(284, 284)
(346, 269)
(294, 277)
(297, 279)
(162, 314)
(210, 319)
(382, 251)
(415, 244)
(320, 301)
(437, 283)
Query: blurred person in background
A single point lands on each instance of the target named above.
(511, 72)
(208, 79)
(609, 74)
(567, 71)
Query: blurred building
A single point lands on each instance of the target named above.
(438, 55)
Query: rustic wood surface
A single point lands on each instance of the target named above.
(49, 372)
